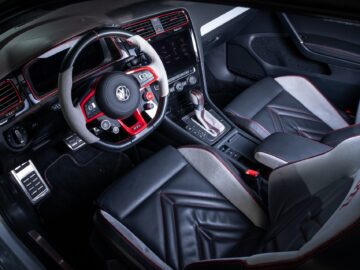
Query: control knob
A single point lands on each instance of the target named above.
(17, 137)
(192, 80)
(179, 86)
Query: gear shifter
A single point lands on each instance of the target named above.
(203, 117)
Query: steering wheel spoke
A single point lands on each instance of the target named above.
(134, 124)
(145, 76)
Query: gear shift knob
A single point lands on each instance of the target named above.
(197, 98)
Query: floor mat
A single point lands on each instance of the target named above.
(75, 182)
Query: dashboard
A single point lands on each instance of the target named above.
(30, 114)
(35, 87)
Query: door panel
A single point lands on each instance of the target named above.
(324, 39)
(267, 47)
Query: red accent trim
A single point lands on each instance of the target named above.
(139, 126)
(83, 103)
(356, 189)
(148, 96)
(17, 94)
(148, 68)
(159, 16)
(252, 173)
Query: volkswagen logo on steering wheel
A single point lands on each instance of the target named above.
(122, 93)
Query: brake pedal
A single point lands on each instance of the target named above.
(74, 142)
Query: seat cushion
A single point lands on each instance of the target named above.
(165, 214)
(287, 104)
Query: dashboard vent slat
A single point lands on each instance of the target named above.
(173, 20)
(143, 28)
(9, 97)
(169, 21)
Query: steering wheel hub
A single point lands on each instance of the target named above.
(118, 95)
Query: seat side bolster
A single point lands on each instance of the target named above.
(217, 173)
(129, 244)
(249, 125)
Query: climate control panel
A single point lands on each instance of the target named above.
(183, 81)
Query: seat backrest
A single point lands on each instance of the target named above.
(311, 192)
(311, 202)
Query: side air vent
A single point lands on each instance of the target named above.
(173, 20)
(142, 28)
(9, 97)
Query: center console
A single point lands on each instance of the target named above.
(188, 107)
(191, 116)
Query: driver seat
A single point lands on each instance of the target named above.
(189, 208)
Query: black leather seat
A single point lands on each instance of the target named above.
(189, 208)
(289, 104)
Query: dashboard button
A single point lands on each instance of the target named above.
(192, 80)
(179, 86)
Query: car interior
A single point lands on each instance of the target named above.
(178, 135)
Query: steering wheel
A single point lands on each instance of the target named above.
(116, 99)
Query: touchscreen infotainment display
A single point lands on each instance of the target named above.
(176, 52)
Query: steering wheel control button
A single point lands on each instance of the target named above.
(148, 96)
(144, 77)
(117, 95)
(91, 108)
(148, 106)
(105, 124)
(115, 130)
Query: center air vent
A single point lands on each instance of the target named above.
(142, 28)
(163, 23)
(173, 20)
(9, 97)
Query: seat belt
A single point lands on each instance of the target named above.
(357, 119)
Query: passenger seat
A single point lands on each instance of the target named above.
(289, 104)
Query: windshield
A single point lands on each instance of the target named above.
(17, 12)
